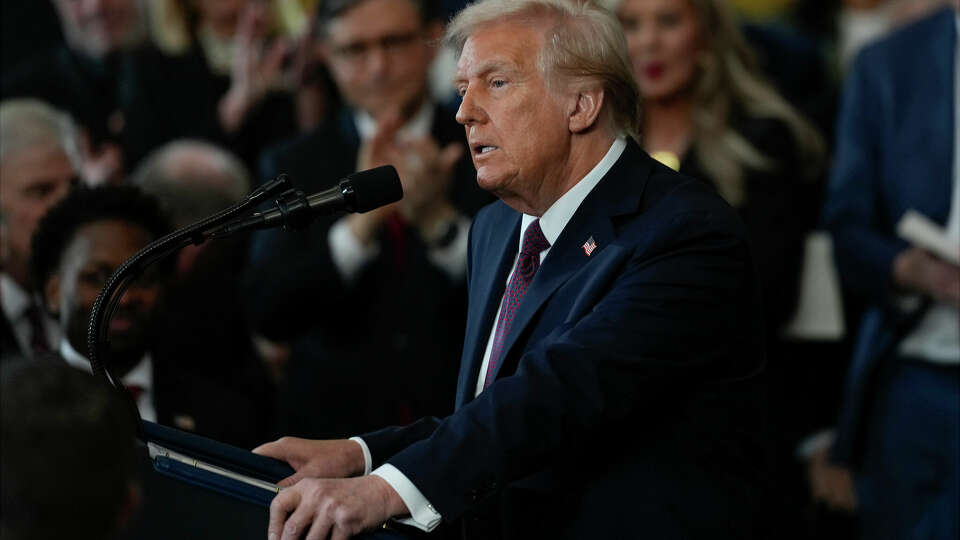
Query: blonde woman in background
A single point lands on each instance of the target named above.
(709, 114)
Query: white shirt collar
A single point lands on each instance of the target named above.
(141, 375)
(553, 221)
(417, 127)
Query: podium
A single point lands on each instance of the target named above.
(194, 487)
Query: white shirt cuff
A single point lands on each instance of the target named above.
(452, 259)
(348, 254)
(367, 458)
(815, 443)
(422, 514)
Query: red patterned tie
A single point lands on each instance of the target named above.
(527, 264)
(136, 391)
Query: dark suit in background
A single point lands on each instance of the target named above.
(201, 340)
(895, 151)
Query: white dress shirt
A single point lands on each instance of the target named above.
(141, 375)
(422, 514)
(16, 303)
(349, 255)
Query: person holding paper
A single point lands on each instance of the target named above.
(608, 382)
(898, 150)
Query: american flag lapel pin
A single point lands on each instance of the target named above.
(589, 246)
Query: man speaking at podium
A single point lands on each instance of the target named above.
(608, 383)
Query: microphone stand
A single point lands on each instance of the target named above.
(216, 226)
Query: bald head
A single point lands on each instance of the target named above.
(193, 179)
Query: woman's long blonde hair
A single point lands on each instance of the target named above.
(728, 79)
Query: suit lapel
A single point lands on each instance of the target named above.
(616, 194)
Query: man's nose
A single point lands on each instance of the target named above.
(377, 60)
(469, 111)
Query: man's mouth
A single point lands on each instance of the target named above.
(483, 149)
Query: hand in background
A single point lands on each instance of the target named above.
(425, 172)
(917, 270)
(257, 67)
(374, 153)
(337, 458)
(312, 94)
(830, 483)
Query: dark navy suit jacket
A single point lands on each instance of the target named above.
(895, 141)
(626, 402)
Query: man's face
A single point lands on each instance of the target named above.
(33, 180)
(517, 128)
(379, 55)
(98, 27)
(97, 249)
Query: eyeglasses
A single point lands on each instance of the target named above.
(359, 51)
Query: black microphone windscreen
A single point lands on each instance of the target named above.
(376, 187)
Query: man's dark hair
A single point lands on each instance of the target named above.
(328, 10)
(84, 205)
(68, 458)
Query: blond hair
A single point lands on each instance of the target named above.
(729, 79)
(584, 43)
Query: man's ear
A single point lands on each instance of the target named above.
(585, 111)
(51, 293)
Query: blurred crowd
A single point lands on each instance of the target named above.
(822, 122)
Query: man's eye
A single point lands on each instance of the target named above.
(350, 51)
(40, 191)
(498, 83)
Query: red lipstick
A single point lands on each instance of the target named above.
(654, 70)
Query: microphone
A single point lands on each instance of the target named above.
(361, 191)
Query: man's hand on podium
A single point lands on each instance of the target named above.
(317, 509)
(315, 459)
(318, 501)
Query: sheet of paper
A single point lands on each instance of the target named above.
(819, 314)
(920, 231)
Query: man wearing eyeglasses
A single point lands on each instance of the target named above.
(369, 303)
